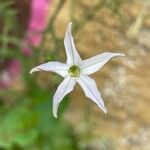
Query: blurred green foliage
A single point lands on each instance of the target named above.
(10, 30)
(30, 124)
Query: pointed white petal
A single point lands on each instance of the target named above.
(53, 66)
(63, 89)
(90, 89)
(93, 64)
(71, 52)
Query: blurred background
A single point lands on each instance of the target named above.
(32, 32)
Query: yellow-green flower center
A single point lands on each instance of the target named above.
(74, 71)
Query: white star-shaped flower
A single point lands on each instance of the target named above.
(76, 70)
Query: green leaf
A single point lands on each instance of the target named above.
(5, 4)
(17, 127)
(31, 125)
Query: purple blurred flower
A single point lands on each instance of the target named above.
(36, 25)
(10, 70)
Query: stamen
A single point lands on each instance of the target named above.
(74, 71)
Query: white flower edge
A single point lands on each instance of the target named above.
(53, 66)
(93, 64)
(86, 67)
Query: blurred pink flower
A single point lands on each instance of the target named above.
(26, 50)
(11, 69)
(36, 25)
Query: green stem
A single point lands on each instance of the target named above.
(89, 16)
(56, 12)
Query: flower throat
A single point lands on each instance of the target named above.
(74, 71)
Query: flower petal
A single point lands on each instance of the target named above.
(89, 87)
(71, 52)
(93, 64)
(53, 66)
(63, 89)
